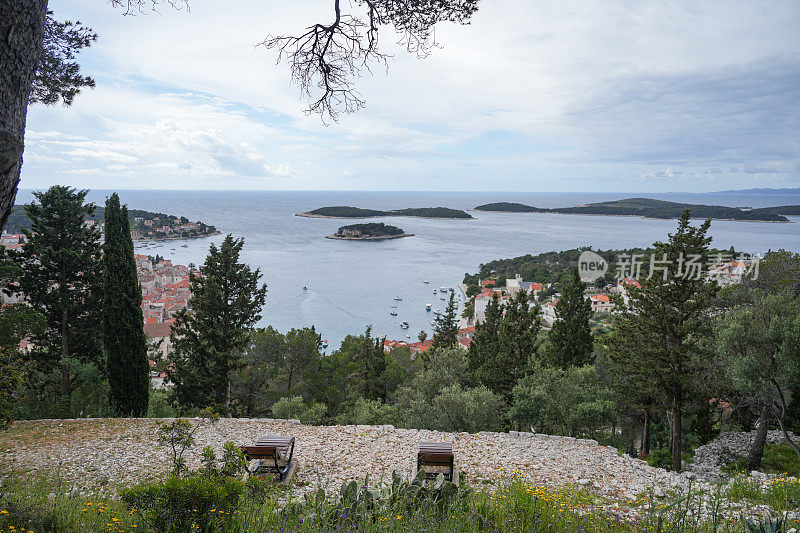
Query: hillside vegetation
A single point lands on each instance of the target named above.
(345, 211)
(647, 207)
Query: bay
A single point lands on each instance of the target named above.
(352, 284)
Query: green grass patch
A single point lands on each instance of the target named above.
(510, 505)
(782, 494)
(778, 459)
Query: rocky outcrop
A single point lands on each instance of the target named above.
(728, 447)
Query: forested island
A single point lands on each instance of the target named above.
(145, 225)
(375, 231)
(345, 211)
(649, 208)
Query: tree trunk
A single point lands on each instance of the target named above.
(66, 390)
(646, 433)
(757, 448)
(677, 437)
(21, 31)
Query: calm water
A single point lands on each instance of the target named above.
(352, 284)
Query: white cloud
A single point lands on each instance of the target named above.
(660, 89)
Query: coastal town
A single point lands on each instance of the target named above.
(606, 300)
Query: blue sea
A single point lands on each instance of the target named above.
(352, 284)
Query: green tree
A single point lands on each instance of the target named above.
(445, 333)
(562, 400)
(423, 335)
(61, 278)
(209, 338)
(124, 341)
(666, 325)
(505, 344)
(486, 342)
(518, 339)
(369, 365)
(760, 347)
(570, 337)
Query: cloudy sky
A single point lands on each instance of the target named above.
(532, 96)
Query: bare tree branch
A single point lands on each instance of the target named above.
(326, 58)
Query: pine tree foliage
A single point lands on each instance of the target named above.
(61, 278)
(570, 337)
(445, 334)
(124, 341)
(665, 334)
(210, 336)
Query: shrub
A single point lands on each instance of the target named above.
(294, 407)
(661, 458)
(186, 503)
(369, 412)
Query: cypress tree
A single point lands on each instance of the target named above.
(666, 326)
(209, 340)
(446, 331)
(124, 342)
(570, 337)
(61, 279)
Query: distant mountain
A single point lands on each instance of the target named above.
(760, 191)
(649, 208)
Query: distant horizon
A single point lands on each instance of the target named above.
(758, 190)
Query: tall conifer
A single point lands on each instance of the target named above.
(124, 342)
(209, 339)
(570, 337)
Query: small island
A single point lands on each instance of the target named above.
(346, 211)
(376, 231)
(649, 208)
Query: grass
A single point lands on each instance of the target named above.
(511, 505)
(778, 459)
(782, 493)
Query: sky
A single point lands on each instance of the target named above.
(618, 96)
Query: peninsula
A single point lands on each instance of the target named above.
(649, 208)
(376, 231)
(145, 225)
(346, 211)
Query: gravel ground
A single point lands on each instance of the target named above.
(101, 455)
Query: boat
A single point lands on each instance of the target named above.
(305, 288)
(393, 313)
(393, 306)
(426, 282)
(398, 299)
(427, 307)
(437, 312)
(404, 325)
(433, 323)
(325, 343)
(408, 336)
(184, 245)
(442, 298)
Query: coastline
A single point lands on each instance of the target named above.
(631, 216)
(381, 238)
(180, 238)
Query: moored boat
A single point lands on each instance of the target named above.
(404, 325)
(427, 307)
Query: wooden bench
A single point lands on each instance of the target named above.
(436, 455)
(274, 455)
